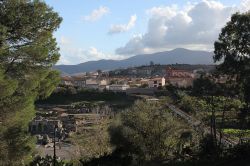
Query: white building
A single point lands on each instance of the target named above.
(156, 82)
(91, 84)
(78, 81)
(103, 82)
(117, 87)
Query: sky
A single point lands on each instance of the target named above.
(118, 29)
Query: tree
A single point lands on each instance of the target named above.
(214, 111)
(221, 106)
(202, 85)
(144, 86)
(27, 53)
(147, 133)
(233, 45)
(113, 82)
(193, 105)
(232, 48)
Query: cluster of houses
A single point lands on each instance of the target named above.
(179, 78)
(92, 83)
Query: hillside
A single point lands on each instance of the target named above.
(179, 55)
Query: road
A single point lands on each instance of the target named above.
(198, 126)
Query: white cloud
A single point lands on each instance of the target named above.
(195, 26)
(166, 11)
(245, 5)
(123, 27)
(94, 54)
(75, 55)
(96, 14)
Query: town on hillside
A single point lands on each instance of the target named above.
(131, 80)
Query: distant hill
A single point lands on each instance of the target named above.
(179, 55)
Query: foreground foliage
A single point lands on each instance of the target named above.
(47, 161)
(233, 48)
(27, 53)
(93, 142)
(146, 132)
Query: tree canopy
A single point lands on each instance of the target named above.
(148, 133)
(233, 50)
(28, 50)
(233, 45)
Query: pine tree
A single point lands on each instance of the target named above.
(27, 53)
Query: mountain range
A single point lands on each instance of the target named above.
(178, 55)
